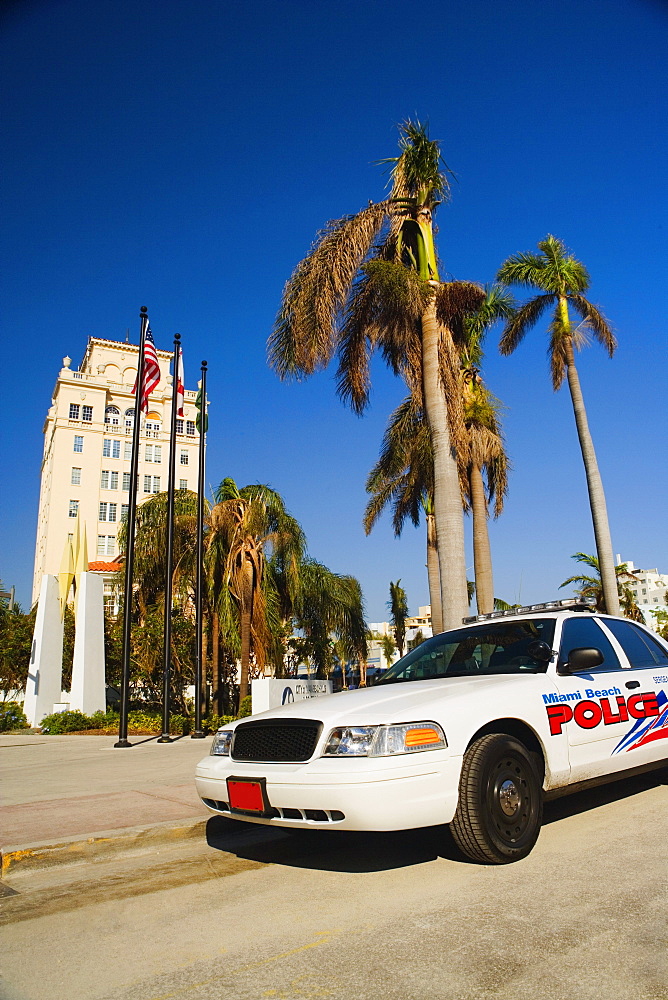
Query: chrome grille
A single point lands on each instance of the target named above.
(271, 740)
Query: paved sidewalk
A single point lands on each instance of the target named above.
(64, 795)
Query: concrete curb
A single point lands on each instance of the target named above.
(69, 850)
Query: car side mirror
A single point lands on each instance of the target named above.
(539, 650)
(580, 659)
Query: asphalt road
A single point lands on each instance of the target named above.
(261, 914)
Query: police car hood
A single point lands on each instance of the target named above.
(404, 702)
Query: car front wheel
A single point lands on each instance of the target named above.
(500, 806)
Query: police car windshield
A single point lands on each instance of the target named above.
(496, 647)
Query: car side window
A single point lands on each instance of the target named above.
(640, 648)
(585, 632)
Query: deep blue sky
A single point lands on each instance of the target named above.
(182, 156)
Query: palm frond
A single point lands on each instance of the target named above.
(521, 269)
(304, 337)
(596, 322)
(384, 311)
(526, 316)
(419, 174)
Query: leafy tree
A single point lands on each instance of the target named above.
(371, 282)
(16, 633)
(398, 608)
(562, 280)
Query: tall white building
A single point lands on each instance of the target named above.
(87, 450)
(649, 587)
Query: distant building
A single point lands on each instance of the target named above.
(648, 586)
(418, 623)
(87, 450)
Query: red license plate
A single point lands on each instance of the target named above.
(248, 795)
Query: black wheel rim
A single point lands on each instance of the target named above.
(511, 802)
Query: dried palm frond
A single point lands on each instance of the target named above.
(304, 335)
(455, 299)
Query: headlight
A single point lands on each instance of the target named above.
(384, 741)
(221, 743)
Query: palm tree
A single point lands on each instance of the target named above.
(251, 528)
(329, 612)
(591, 586)
(398, 607)
(371, 282)
(403, 476)
(150, 560)
(487, 455)
(563, 279)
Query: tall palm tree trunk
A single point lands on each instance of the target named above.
(245, 626)
(447, 494)
(433, 576)
(597, 503)
(482, 555)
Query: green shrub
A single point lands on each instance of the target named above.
(214, 722)
(66, 722)
(12, 717)
(245, 708)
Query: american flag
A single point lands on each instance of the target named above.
(151, 374)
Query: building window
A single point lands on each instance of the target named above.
(130, 417)
(106, 545)
(151, 484)
(184, 457)
(190, 427)
(126, 481)
(179, 426)
(125, 507)
(111, 448)
(87, 413)
(74, 411)
(148, 453)
(78, 442)
(112, 415)
(183, 484)
(76, 477)
(152, 428)
(157, 453)
(104, 480)
(113, 481)
(74, 508)
(127, 450)
(108, 511)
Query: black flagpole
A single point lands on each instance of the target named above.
(199, 732)
(167, 648)
(130, 537)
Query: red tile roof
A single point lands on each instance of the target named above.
(104, 567)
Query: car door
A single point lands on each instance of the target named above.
(598, 706)
(646, 739)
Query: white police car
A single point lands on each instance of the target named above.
(472, 728)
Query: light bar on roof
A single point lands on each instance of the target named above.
(569, 604)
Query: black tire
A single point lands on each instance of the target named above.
(500, 806)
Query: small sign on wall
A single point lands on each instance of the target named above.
(272, 692)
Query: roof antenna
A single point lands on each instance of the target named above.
(127, 335)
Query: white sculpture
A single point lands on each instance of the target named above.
(43, 690)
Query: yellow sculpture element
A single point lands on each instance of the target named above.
(65, 575)
(73, 563)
